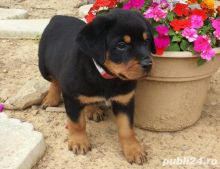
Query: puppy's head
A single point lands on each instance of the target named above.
(120, 41)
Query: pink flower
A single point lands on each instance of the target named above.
(190, 34)
(162, 41)
(202, 43)
(156, 13)
(217, 34)
(162, 30)
(216, 23)
(208, 54)
(133, 4)
(1, 107)
(196, 21)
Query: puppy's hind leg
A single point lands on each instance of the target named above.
(53, 96)
(94, 112)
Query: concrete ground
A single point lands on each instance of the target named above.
(18, 63)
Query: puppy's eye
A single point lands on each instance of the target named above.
(122, 46)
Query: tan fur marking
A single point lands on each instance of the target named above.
(130, 146)
(93, 112)
(127, 39)
(124, 99)
(88, 100)
(53, 96)
(131, 70)
(145, 36)
(78, 140)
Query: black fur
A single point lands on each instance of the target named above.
(68, 45)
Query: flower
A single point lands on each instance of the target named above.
(164, 4)
(181, 9)
(156, 13)
(218, 10)
(192, 1)
(133, 4)
(106, 3)
(162, 41)
(199, 12)
(1, 107)
(208, 54)
(162, 30)
(190, 34)
(196, 21)
(202, 43)
(217, 34)
(180, 24)
(209, 4)
(89, 18)
(216, 25)
(97, 5)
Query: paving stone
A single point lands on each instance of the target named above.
(22, 28)
(20, 146)
(55, 109)
(13, 13)
(83, 10)
(32, 93)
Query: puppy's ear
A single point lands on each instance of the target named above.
(151, 36)
(92, 38)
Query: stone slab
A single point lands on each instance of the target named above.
(22, 28)
(13, 13)
(20, 146)
(55, 109)
(83, 10)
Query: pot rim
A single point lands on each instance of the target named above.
(184, 54)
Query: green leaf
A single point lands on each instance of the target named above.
(214, 40)
(176, 38)
(170, 16)
(200, 61)
(171, 32)
(173, 47)
(184, 45)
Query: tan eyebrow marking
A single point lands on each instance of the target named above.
(145, 36)
(127, 39)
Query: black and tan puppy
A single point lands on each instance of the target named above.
(97, 62)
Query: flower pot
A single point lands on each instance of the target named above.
(172, 96)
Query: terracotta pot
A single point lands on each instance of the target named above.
(172, 96)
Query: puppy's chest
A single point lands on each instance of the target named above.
(120, 98)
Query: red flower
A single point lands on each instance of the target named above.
(218, 10)
(89, 18)
(181, 9)
(106, 3)
(97, 5)
(160, 51)
(200, 12)
(180, 24)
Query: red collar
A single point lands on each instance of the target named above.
(102, 72)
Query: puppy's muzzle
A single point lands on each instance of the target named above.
(146, 64)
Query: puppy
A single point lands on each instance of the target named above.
(97, 62)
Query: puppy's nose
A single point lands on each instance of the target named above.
(146, 63)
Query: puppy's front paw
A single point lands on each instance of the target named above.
(79, 144)
(134, 153)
